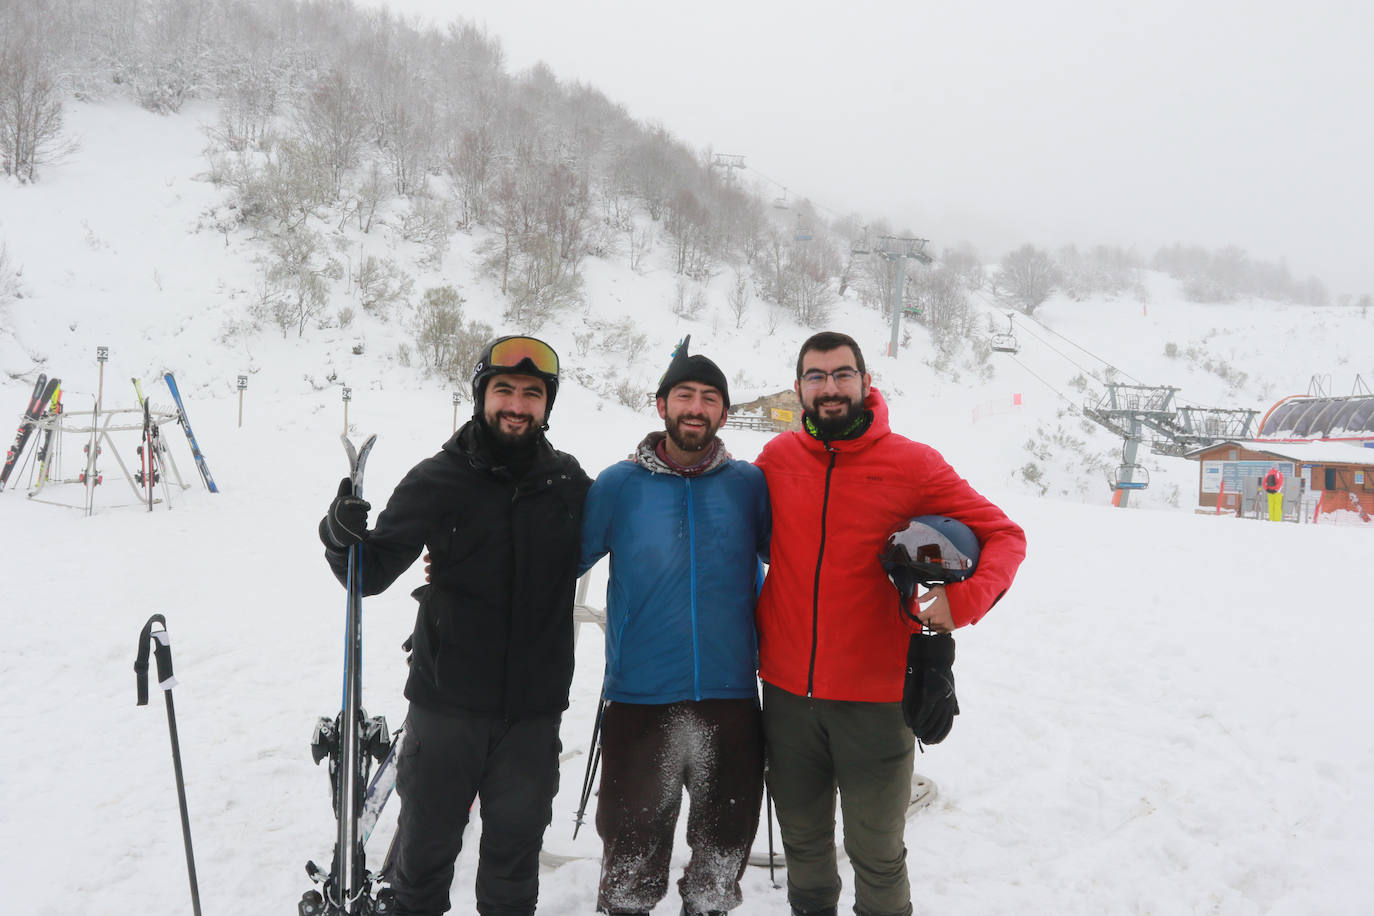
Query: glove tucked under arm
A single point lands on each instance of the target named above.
(345, 524)
(928, 701)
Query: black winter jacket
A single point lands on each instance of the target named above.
(494, 632)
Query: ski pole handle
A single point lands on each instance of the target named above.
(165, 680)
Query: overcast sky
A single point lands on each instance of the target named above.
(1001, 122)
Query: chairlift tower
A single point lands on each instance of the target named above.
(728, 162)
(1128, 410)
(901, 250)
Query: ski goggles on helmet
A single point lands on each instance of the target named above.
(929, 550)
(512, 353)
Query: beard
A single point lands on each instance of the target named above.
(513, 440)
(832, 425)
(691, 440)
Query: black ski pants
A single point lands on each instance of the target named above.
(649, 753)
(447, 761)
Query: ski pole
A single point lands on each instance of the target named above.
(166, 682)
(593, 758)
(768, 806)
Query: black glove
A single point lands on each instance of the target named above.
(346, 522)
(928, 701)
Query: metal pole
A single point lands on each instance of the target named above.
(898, 285)
(593, 758)
(163, 655)
(1128, 461)
(347, 396)
(101, 354)
(455, 411)
(243, 383)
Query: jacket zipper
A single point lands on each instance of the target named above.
(692, 573)
(816, 589)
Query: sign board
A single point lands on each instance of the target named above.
(1234, 472)
(783, 415)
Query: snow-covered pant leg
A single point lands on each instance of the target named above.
(801, 779)
(447, 760)
(636, 806)
(516, 803)
(725, 791)
(436, 778)
(874, 752)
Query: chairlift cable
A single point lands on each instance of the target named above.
(1073, 405)
(1065, 357)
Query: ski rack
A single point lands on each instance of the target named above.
(100, 434)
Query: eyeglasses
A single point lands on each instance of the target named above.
(513, 351)
(815, 378)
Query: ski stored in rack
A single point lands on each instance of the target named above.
(43, 391)
(147, 474)
(45, 444)
(190, 436)
(351, 741)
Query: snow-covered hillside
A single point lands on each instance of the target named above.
(1161, 717)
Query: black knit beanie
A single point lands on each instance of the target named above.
(686, 368)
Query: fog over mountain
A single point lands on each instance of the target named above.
(1218, 124)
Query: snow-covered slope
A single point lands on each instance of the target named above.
(1163, 716)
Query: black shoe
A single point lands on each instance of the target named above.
(824, 911)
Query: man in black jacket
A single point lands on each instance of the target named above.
(499, 511)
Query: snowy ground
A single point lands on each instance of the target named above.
(1161, 717)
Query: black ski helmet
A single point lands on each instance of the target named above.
(929, 550)
(515, 355)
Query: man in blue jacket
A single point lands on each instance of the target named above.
(685, 525)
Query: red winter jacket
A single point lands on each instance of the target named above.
(828, 617)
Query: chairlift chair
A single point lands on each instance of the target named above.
(1130, 477)
(1005, 342)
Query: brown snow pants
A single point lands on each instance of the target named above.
(649, 753)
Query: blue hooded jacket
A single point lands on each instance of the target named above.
(684, 575)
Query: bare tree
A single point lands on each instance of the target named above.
(332, 123)
(381, 283)
(641, 243)
(964, 261)
(368, 194)
(250, 93)
(738, 298)
(30, 103)
(1027, 276)
(940, 295)
(438, 319)
(299, 274)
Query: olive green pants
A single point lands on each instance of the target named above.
(866, 753)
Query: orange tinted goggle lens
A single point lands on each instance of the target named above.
(509, 354)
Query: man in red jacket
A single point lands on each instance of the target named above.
(832, 643)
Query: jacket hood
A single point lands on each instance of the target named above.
(646, 455)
